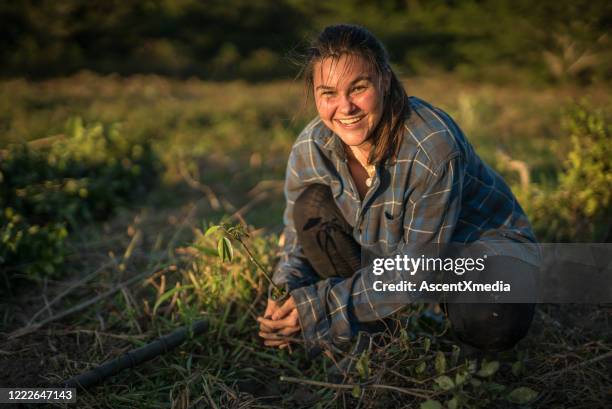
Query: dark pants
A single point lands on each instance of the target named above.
(328, 243)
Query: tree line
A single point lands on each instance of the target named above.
(544, 41)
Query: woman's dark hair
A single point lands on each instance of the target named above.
(343, 39)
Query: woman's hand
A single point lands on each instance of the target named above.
(278, 323)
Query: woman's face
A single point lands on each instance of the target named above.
(349, 98)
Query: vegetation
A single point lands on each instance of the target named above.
(579, 207)
(80, 176)
(501, 40)
(219, 150)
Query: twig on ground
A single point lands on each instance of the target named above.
(607, 355)
(71, 288)
(105, 334)
(412, 392)
(33, 327)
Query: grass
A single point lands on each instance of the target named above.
(226, 138)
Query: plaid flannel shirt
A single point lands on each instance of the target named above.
(437, 191)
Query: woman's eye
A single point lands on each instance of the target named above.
(359, 88)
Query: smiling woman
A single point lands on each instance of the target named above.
(384, 174)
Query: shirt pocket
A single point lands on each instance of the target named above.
(392, 229)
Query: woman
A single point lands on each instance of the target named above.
(380, 173)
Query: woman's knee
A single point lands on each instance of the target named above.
(491, 327)
(324, 234)
(310, 203)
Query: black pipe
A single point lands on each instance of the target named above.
(135, 357)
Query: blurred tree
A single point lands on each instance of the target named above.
(548, 40)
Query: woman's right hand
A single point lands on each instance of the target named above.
(271, 308)
(277, 322)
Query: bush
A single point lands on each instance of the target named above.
(31, 249)
(78, 177)
(579, 209)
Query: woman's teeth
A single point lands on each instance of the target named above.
(350, 121)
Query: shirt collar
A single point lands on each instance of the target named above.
(326, 139)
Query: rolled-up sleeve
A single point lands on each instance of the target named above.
(332, 311)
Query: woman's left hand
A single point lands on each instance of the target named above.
(283, 323)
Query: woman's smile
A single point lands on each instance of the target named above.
(350, 122)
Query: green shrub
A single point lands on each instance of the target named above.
(579, 209)
(81, 176)
(30, 250)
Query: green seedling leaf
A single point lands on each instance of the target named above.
(225, 249)
(460, 378)
(455, 355)
(211, 230)
(420, 368)
(444, 382)
(488, 369)
(453, 403)
(405, 339)
(517, 368)
(356, 392)
(472, 366)
(440, 362)
(169, 294)
(362, 366)
(522, 395)
(427, 344)
(431, 404)
(495, 387)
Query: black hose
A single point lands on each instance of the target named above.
(135, 357)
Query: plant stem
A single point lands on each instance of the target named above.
(263, 270)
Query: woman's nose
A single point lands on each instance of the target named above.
(346, 105)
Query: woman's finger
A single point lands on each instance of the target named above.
(289, 321)
(272, 343)
(271, 335)
(265, 328)
(271, 307)
(273, 339)
(285, 309)
(282, 333)
(287, 331)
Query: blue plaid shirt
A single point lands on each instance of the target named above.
(437, 191)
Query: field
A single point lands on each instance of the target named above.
(219, 150)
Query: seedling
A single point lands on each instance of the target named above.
(225, 251)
